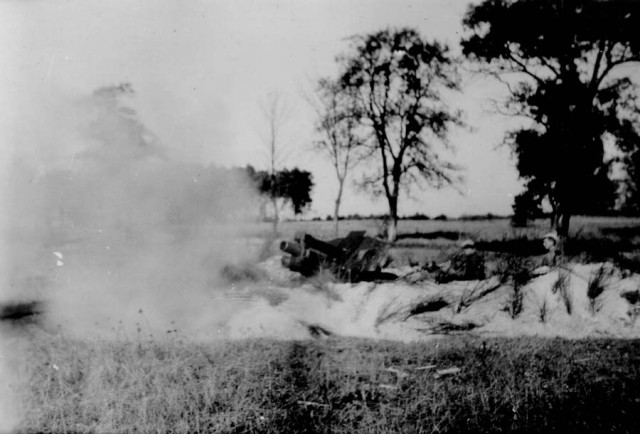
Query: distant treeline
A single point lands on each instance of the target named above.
(416, 216)
(464, 217)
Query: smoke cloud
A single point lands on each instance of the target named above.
(107, 230)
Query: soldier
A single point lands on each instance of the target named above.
(551, 257)
(468, 264)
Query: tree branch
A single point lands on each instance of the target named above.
(550, 66)
(593, 83)
(612, 63)
(523, 67)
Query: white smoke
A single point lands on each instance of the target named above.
(110, 233)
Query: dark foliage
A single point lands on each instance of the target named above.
(571, 85)
(448, 235)
(292, 185)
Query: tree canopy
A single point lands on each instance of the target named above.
(291, 186)
(396, 81)
(563, 64)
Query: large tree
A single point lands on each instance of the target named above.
(396, 79)
(563, 63)
(338, 128)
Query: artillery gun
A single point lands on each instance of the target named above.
(351, 259)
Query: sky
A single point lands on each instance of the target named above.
(202, 69)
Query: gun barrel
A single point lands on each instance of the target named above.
(353, 258)
(293, 249)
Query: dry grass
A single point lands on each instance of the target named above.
(515, 302)
(339, 385)
(543, 313)
(336, 385)
(389, 311)
(147, 386)
(595, 288)
(562, 286)
(513, 270)
(324, 282)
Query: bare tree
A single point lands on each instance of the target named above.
(276, 113)
(337, 124)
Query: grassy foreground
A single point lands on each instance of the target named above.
(335, 385)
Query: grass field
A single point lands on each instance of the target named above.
(482, 229)
(172, 383)
(335, 385)
(591, 238)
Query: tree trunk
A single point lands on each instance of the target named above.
(563, 227)
(562, 212)
(336, 210)
(392, 230)
(562, 219)
(553, 221)
(276, 218)
(263, 211)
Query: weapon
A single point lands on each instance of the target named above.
(353, 258)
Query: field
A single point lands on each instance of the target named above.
(143, 337)
(336, 385)
(592, 238)
(480, 229)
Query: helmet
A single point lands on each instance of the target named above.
(552, 236)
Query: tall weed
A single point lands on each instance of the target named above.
(515, 302)
(562, 287)
(543, 313)
(595, 288)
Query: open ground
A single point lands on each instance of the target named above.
(248, 362)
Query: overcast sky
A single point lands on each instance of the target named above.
(200, 70)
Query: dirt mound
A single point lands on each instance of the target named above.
(268, 300)
(575, 301)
